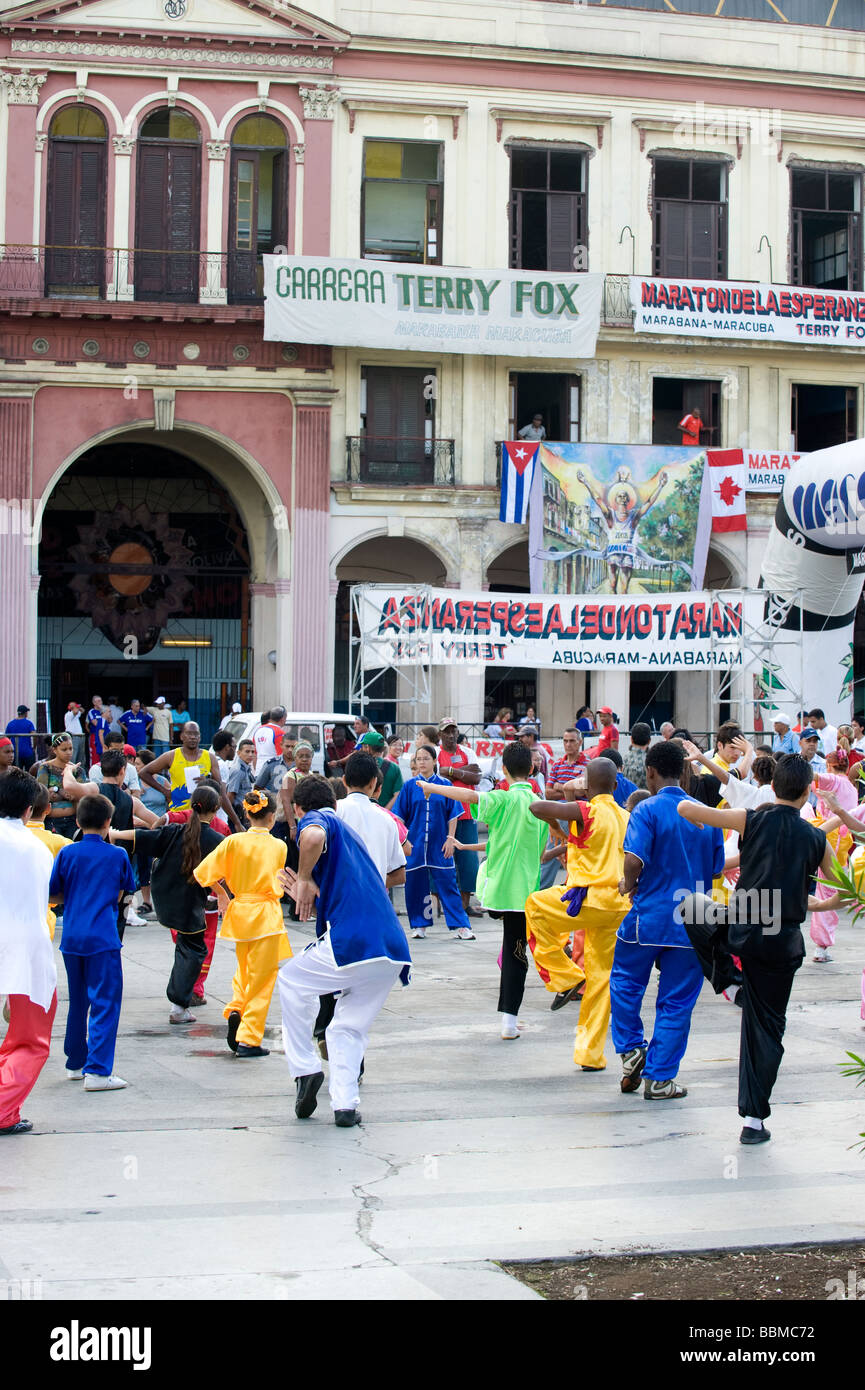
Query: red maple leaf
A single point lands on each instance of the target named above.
(728, 491)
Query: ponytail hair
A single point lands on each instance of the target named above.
(259, 804)
(204, 801)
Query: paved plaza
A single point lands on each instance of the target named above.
(198, 1181)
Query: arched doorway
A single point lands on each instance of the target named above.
(75, 252)
(168, 207)
(380, 560)
(258, 219)
(144, 588)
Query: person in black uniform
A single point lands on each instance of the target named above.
(779, 854)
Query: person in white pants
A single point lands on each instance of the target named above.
(360, 953)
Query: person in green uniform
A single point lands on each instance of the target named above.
(374, 743)
(511, 870)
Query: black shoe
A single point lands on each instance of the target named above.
(196, 1002)
(575, 992)
(231, 1030)
(346, 1118)
(474, 912)
(308, 1088)
(243, 1051)
(25, 1126)
(754, 1136)
(360, 1073)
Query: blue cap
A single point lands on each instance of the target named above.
(810, 733)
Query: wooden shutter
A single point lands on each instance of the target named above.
(75, 221)
(563, 230)
(671, 239)
(395, 414)
(167, 222)
(279, 213)
(703, 249)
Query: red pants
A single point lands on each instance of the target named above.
(23, 1054)
(211, 922)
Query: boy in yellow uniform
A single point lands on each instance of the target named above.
(592, 902)
(248, 865)
(36, 823)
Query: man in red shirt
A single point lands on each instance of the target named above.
(690, 426)
(609, 733)
(458, 760)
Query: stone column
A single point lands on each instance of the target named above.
(17, 559)
(22, 97)
(214, 287)
(282, 644)
(310, 657)
(123, 272)
(464, 684)
(319, 104)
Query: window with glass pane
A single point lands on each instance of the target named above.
(690, 218)
(826, 229)
(402, 201)
(548, 208)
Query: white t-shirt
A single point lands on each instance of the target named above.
(72, 720)
(224, 767)
(268, 744)
(747, 795)
(26, 954)
(828, 739)
(161, 722)
(376, 830)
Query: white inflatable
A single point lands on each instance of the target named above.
(819, 520)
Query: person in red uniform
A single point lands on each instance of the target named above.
(690, 426)
(609, 733)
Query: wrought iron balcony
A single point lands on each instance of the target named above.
(406, 461)
(118, 274)
(617, 311)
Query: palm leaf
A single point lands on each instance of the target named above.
(852, 892)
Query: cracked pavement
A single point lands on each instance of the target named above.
(198, 1181)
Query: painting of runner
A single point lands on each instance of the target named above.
(619, 519)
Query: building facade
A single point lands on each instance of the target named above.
(207, 499)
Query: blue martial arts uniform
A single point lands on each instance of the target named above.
(624, 788)
(427, 820)
(90, 875)
(678, 858)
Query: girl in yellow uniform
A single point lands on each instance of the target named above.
(248, 865)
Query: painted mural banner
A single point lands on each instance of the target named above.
(618, 518)
(745, 309)
(386, 304)
(687, 630)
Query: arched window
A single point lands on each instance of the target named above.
(168, 207)
(75, 219)
(259, 203)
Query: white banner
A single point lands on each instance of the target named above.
(767, 472)
(691, 631)
(431, 308)
(744, 309)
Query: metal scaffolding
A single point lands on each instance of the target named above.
(370, 658)
(770, 674)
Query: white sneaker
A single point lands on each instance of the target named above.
(103, 1083)
(465, 934)
(510, 1027)
(821, 955)
(179, 1015)
(133, 919)
(73, 1075)
(419, 934)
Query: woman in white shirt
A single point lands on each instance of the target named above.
(72, 722)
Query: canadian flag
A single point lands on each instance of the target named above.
(727, 478)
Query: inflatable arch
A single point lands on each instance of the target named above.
(814, 580)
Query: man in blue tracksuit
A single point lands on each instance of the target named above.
(662, 865)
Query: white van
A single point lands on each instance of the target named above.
(316, 729)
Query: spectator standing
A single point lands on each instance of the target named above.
(22, 727)
(828, 733)
(529, 736)
(61, 818)
(113, 713)
(224, 750)
(179, 717)
(391, 775)
(269, 737)
(341, 746)
(240, 778)
(634, 761)
(236, 709)
(784, 740)
(97, 727)
(362, 727)
(667, 730)
(73, 726)
(609, 733)
(136, 724)
(161, 730)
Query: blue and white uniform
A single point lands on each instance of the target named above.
(360, 952)
(678, 858)
(427, 819)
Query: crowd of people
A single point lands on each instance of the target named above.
(686, 863)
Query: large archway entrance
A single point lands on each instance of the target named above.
(380, 560)
(144, 589)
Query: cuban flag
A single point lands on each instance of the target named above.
(518, 470)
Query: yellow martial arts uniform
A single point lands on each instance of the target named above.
(596, 860)
(249, 864)
(55, 843)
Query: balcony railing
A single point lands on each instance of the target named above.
(617, 301)
(409, 461)
(118, 274)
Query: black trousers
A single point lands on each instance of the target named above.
(769, 963)
(189, 955)
(514, 962)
